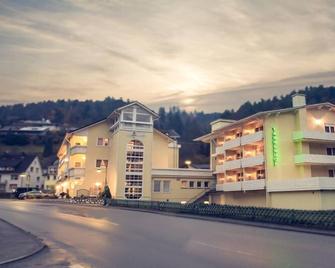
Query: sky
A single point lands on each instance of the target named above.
(204, 55)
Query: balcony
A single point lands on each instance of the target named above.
(306, 184)
(228, 165)
(252, 138)
(76, 172)
(314, 159)
(219, 150)
(229, 186)
(78, 149)
(253, 161)
(314, 136)
(249, 185)
(231, 144)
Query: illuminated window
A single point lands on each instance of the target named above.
(77, 164)
(134, 170)
(101, 163)
(102, 141)
(184, 184)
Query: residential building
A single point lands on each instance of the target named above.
(20, 171)
(126, 152)
(282, 158)
(50, 176)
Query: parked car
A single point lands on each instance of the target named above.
(34, 194)
(21, 190)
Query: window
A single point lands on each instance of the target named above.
(31, 169)
(183, 184)
(101, 163)
(191, 184)
(257, 129)
(198, 184)
(143, 118)
(12, 186)
(329, 128)
(128, 116)
(38, 178)
(238, 134)
(157, 186)
(330, 151)
(14, 177)
(260, 174)
(166, 186)
(37, 170)
(134, 171)
(206, 184)
(77, 164)
(331, 173)
(239, 176)
(102, 142)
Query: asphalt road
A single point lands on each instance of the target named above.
(111, 237)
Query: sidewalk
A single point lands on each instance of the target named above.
(16, 244)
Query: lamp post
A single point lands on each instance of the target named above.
(188, 163)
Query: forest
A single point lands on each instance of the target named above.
(189, 125)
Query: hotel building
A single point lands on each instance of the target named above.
(281, 158)
(126, 152)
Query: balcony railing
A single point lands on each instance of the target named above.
(305, 184)
(78, 149)
(248, 185)
(253, 161)
(252, 138)
(228, 165)
(313, 136)
(314, 159)
(77, 172)
(240, 141)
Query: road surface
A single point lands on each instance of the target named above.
(110, 237)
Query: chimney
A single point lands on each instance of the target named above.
(298, 100)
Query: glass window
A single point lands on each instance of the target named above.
(143, 118)
(329, 128)
(101, 163)
(31, 169)
(191, 184)
(14, 177)
(184, 184)
(128, 116)
(157, 186)
(166, 186)
(198, 184)
(77, 164)
(102, 141)
(331, 173)
(206, 184)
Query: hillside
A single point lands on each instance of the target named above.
(74, 113)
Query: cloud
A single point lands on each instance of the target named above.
(200, 55)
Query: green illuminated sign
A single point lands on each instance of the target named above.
(275, 146)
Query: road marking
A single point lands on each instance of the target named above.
(222, 248)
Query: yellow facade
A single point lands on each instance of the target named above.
(123, 150)
(296, 167)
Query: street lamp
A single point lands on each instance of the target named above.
(188, 163)
(103, 165)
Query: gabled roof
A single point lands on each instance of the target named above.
(15, 163)
(118, 110)
(207, 137)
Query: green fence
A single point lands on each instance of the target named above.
(313, 219)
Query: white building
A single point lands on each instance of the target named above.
(20, 171)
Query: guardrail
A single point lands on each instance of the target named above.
(318, 219)
(323, 219)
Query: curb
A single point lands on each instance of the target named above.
(39, 249)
